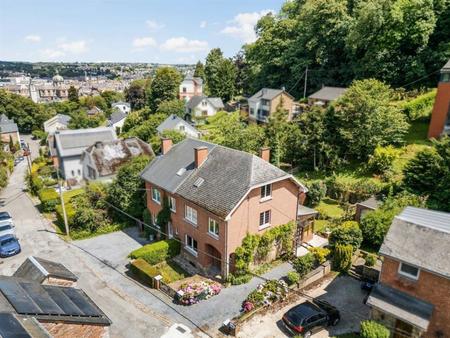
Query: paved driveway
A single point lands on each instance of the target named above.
(343, 292)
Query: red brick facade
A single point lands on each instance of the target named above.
(440, 110)
(429, 287)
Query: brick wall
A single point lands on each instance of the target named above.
(429, 287)
(440, 110)
(287, 104)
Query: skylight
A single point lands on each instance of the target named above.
(198, 182)
(181, 171)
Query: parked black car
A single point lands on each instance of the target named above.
(309, 317)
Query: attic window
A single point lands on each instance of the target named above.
(181, 171)
(198, 182)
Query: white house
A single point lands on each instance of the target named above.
(124, 107)
(57, 122)
(191, 86)
(69, 146)
(116, 120)
(203, 106)
(174, 122)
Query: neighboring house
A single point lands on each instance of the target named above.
(266, 101)
(57, 122)
(325, 95)
(203, 106)
(8, 131)
(364, 207)
(116, 120)
(121, 106)
(191, 86)
(34, 303)
(217, 196)
(94, 111)
(173, 122)
(69, 145)
(102, 160)
(440, 117)
(412, 297)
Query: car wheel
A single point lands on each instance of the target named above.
(335, 321)
(307, 334)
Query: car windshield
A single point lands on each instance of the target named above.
(5, 227)
(4, 215)
(7, 241)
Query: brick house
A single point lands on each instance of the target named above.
(217, 196)
(191, 86)
(440, 117)
(412, 297)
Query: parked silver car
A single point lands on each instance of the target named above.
(7, 229)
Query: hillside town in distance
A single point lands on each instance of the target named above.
(251, 173)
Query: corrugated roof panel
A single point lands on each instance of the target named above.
(428, 218)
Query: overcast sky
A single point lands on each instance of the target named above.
(163, 31)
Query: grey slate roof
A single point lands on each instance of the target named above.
(426, 244)
(38, 269)
(172, 121)
(216, 102)
(197, 80)
(116, 116)
(7, 125)
(266, 94)
(371, 203)
(109, 156)
(94, 111)
(74, 142)
(401, 305)
(446, 67)
(328, 93)
(63, 119)
(305, 211)
(226, 175)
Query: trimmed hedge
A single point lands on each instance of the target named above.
(49, 199)
(371, 329)
(420, 106)
(157, 252)
(144, 271)
(70, 212)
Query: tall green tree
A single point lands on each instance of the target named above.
(220, 75)
(174, 106)
(137, 93)
(164, 86)
(73, 94)
(200, 70)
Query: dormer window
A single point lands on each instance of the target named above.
(266, 192)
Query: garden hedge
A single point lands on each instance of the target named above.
(371, 329)
(70, 212)
(157, 252)
(144, 271)
(49, 199)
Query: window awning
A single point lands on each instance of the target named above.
(401, 305)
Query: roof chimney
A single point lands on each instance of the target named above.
(264, 153)
(166, 144)
(200, 155)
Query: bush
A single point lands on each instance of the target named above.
(370, 259)
(320, 254)
(70, 212)
(293, 277)
(371, 329)
(35, 183)
(348, 233)
(419, 107)
(304, 264)
(343, 257)
(348, 189)
(158, 251)
(238, 279)
(144, 271)
(380, 162)
(49, 199)
(317, 190)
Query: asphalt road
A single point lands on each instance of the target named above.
(134, 310)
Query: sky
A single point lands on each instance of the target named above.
(160, 31)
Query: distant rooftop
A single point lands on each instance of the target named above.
(38, 269)
(426, 242)
(267, 94)
(7, 125)
(328, 93)
(446, 66)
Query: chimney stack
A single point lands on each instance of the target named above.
(200, 155)
(166, 144)
(264, 153)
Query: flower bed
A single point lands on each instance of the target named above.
(265, 294)
(193, 293)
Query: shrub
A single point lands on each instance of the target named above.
(70, 213)
(35, 183)
(371, 259)
(49, 199)
(348, 233)
(343, 257)
(421, 106)
(317, 190)
(238, 279)
(293, 277)
(158, 251)
(371, 329)
(144, 271)
(304, 264)
(320, 254)
(380, 162)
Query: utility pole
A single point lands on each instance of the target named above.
(306, 80)
(66, 225)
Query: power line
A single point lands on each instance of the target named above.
(423, 77)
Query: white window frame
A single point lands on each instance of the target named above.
(215, 227)
(266, 192)
(173, 204)
(190, 246)
(406, 274)
(158, 193)
(267, 218)
(189, 212)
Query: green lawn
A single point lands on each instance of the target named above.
(329, 208)
(67, 195)
(321, 225)
(171, 271)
